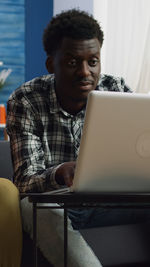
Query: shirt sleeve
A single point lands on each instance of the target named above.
(24, 129)
(125, 87)
(114, 84)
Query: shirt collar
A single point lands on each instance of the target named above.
(54, 104)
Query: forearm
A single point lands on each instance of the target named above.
(41, 181)
(31, 172)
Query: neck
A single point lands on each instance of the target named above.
(72, 107)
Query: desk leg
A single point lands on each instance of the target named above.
(35, 234)
(65, 237)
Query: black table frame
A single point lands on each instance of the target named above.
(74, 200)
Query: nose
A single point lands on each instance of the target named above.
(84, 69)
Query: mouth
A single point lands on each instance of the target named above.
(85, 85)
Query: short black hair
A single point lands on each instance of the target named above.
(74, 24)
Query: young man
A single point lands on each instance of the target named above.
(44, 121)
(45, 116)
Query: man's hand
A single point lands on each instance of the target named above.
(65, 173)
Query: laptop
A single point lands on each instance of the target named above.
(114, 153)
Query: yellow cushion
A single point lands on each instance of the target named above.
(10, 225)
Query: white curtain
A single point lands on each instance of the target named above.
(126, 50)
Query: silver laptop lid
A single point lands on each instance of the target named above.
(114, 153)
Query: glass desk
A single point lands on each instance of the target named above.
(74, 200)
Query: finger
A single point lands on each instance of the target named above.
(68, 181)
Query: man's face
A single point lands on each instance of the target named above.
(76, 66)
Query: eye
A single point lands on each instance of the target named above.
(72, 63)
(93, 62)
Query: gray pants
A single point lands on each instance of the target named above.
(50, 237)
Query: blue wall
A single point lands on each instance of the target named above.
(12, 44)
(21, 28)
(37, 15)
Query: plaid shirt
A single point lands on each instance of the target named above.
(42, 134)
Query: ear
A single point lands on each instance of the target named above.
(49, 64)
